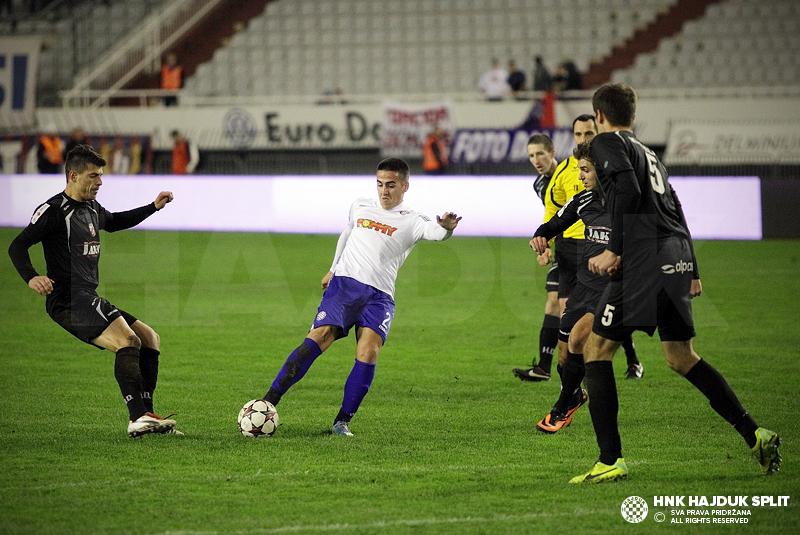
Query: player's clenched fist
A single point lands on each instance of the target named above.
(163, 198)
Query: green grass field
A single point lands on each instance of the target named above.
(445, 442)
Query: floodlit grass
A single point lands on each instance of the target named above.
(445, 442)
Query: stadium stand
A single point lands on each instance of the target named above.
(436, 46)
(734, 44)
(74, 34)
(307, 47)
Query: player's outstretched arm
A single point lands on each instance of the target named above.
(163, 198)
(449, 221)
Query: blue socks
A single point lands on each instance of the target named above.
(355, 388)
(293, 369)
(298, 363)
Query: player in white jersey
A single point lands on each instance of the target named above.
(359, 288)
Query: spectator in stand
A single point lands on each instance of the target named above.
(76, 137)
(516, 80)
(434, 152)
(493, 83)
(574, 79)
(171, 78)
(185, 155)
(541, 76)
(50, 151)
(567, 77)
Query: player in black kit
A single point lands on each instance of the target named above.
(68, 225)
(651, 260)
(576, 321)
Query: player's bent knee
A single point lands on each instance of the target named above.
(369, 354)
(133, 341)
(148, 337)
(325, 335)
(680, 356)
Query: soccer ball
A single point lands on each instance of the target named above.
(258, 418)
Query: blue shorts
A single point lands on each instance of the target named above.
(347, 302)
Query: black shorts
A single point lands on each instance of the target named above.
(652, 292)
(551, 284)
(582, 301)
(84, 314)
(568, 256)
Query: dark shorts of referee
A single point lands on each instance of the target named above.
(568, 256)
(551, 283)
(653, 292)
(84, 314)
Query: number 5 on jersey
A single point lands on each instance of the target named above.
(608, 315)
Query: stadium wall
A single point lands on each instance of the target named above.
(308, 126)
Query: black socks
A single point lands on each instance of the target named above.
(148, 363)
(722, 399)
(548, 341)
(129, 378)
(571, 378)
(604, 407)
(630, 351)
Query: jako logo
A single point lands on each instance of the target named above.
(379, 227)
(598, 234)
(91, 248)
(680, 267)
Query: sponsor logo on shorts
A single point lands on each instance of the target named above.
(378, 227)
(680, 267)
(321, 316)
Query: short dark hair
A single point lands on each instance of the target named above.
(542, 139)
(81, 157)
(617, 102)
(395, 165)
(584, 152)
(584, 118)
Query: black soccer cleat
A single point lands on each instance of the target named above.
(535, 374)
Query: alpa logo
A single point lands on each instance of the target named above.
(679, 267)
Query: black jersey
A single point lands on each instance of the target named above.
(70, 235)
(540, 185)
(639, 198)
(586, 206)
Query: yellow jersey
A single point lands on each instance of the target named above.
(564, 185)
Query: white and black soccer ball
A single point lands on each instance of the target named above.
(258, 418)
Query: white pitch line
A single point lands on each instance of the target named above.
(389, 524)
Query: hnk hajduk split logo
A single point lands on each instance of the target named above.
(634, 509)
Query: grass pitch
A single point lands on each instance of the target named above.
(445, 441)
